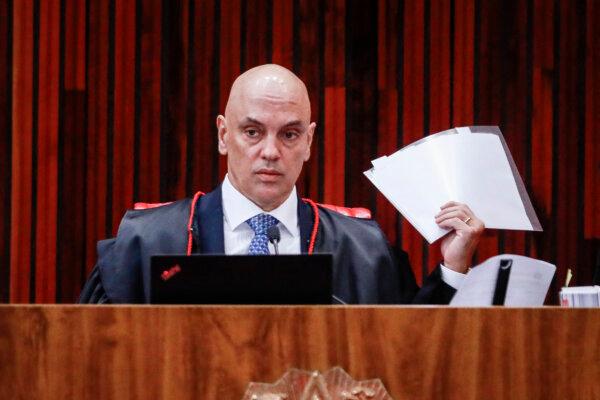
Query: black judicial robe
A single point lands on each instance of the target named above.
(365, 270)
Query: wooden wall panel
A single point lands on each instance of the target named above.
(204, 94)
(174, 91)
(46, 172)
(413, 110)
(439, 84)
(308, 62)
(148, 101)
(230, 25)
(71, 232)
(570, 124)
(97, 220)
(283, 33)
(6, 19)
(592, 122)
(103, 103)
(21, 237)
(334, 128)
(388, 15)
(123, 129)
(542, 134)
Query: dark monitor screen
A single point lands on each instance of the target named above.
(221, 279)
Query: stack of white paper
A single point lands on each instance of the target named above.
(470, 165)
(528, 283)
(580, 296)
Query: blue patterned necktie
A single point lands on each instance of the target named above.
(260, 224)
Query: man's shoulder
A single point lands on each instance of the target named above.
(366, 229)
(157, 216)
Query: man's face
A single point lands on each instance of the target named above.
(266, 137)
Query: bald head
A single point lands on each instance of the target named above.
(266, 134)
(270, 82)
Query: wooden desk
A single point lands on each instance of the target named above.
(190, 352)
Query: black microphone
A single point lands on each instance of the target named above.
(274, 237)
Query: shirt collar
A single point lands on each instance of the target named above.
(237, 209)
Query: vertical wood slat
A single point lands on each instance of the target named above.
(75, 46)
(361, 101)
(412, 110)
(205, 98)
(592, 123)
(47, 152)
(149, 101)
(283, 33)
(515, 124)
(309, 60)
(570, 104)
(124, 110)
(463, 65)
(97, 127)
(439, 87)
(71, 240)
(541, 124)
(334, 129)
(22, 174)
(5, 146)
(489, 92)
(173, 156)
(229, 57)
(257, 33)
(387, 92)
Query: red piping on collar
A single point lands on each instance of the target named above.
(313, 235)
(191, 221)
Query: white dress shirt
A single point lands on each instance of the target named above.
(237, 209)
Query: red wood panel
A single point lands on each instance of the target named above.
(5, 149)
(439, 86)
(334, 129)
(229, 58)
(205, 95)
(490, 94)
(75, 48)
(258, 35)
(309, 69)
(592, 123)
(71, 243)
(463, 72)
(149, 98)
(412, 110)
(47, 152)
(72, 162)
(516, 124)
(541, 124)
(283, 33)
(124, 109)
(570, 102)
(387, 128)
(175, 97)
(97, 128)
(22, 124)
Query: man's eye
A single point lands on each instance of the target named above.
(252, 132)
(290, 134)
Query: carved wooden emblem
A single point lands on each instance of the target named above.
(334, 384)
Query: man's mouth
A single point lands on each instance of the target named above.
(267, 174)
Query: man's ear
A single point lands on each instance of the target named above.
(309, 138)
(221, 133)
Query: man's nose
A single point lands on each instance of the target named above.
(270, 150)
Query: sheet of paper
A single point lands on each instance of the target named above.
(458, 165)
(528, 283)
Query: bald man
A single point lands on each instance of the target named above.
(266, 135)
